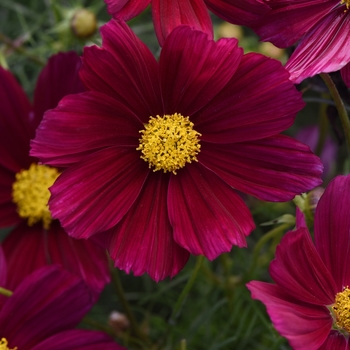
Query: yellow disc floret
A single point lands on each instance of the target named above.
(169, 142)
(341, 310)
(31, 193)
(346, 3)
(3, 345)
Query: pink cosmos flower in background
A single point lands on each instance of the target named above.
(168, 14)
(309, 304)
(321, 29)
(43, 311)
(155, 150)
(36, 241)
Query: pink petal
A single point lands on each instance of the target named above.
(48, 301)
(79, 339)
(143, 240)
(332, 229)
(126, 9)
(325, 48)
(58, 78)
(299, 270)
(289, 20)
(169, 14)
(208, 217)
(300, 219)
(81, 125)
(306, 326)
(15, 127)
(3, 269)
(237, 11)
(124, 69)
(194, 69)
(274, 169)
(336, 340)
(258, 102)
(102, 188)
(29, 248)
(345, 73)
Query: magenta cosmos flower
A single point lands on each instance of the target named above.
(310, 302)
(320, 27)
(168, 14)
(37, 240)
(43, 311)
(155, 149)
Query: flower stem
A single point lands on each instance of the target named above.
(5, 292)
(344, 118)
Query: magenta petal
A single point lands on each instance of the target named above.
(194, 69)
(15, 113)
(332, 229)
(3, 269)
(259, 101)
(300, 219)
(169, 14)
(336, 341)
(299, 270)
(306, 326)
(48, 301)
(29, 248)
(345, 73)
(289, 20)
(208, 217)
(124, 69)
(79, 339)
(8, 210)
(143, 240)
(59, 78)
(241, 12)
(325, 48)
(274, 169)
(102, 188)
(82, 124)
(126, 9)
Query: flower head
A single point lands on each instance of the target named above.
(309, 304)
(37, 239)
(155, 150)
(320, 27)
(168, 14)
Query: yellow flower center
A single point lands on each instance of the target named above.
(31, 193)
(169, 142)
(341, 309)
(3, 345)
(346, 3)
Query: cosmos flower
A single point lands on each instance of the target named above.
(321, 29)
(43, 311)
(155, 150)
(168, 14)
(309, 304)
(36, 240)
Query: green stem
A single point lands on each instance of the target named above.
(323, 129)
(262, 241)
(21, 50)
(340, 106)
(5, 292)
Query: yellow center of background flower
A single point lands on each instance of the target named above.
(169, 142)
(3, 345)
(341, 309)
(31, 193)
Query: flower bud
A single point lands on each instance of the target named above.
(312, 200)
(83, 23)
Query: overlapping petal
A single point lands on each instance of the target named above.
(206, 67)
(272, 169)
(126, 9)
(306, 326)
(249, 108)
(114, 178)
(325, 47)
(30, 248)
(207, 216)
(83, 124)
(167, 15)
(143, 240)
(334, 341)
(332, 229)
(241, 12)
